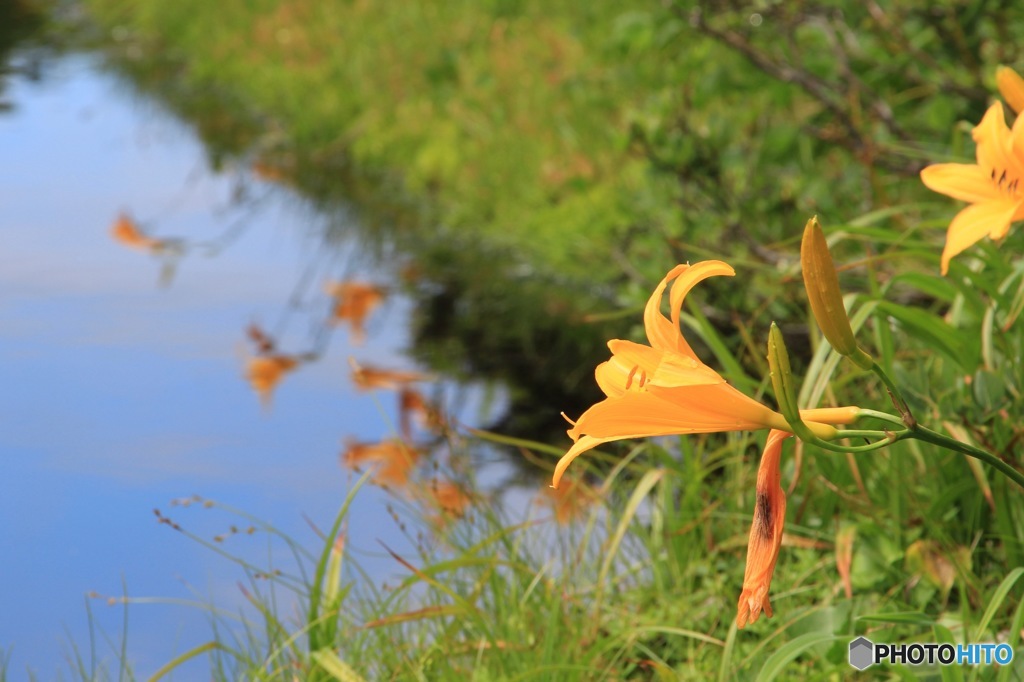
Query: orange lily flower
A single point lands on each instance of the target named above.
(395, 460)
(992, 185)
(126, 231)
(664, 389)
(765, 533)
(265, 372)
(353, 301)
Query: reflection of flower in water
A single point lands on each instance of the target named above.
(448, 500)
(353, 302)
(570, 500)
(264, 372)
(394, 460)
(368, 378)
(127, 232)
(412, 405)
(264, 342)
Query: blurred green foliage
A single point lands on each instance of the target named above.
(585, 149)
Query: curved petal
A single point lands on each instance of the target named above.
(582, 445)
(966, 182)
(1017, 138)
(975, 222)
(687, 280)
(660, 331)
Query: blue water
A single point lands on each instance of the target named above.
(119, 395)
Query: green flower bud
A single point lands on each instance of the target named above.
(822, 284)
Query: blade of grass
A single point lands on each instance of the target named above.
(178, 660)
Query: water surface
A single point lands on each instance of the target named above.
(121, 393)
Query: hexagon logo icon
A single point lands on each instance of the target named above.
(862, 653)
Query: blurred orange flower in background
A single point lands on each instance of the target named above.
(353, 302)
(992, 186)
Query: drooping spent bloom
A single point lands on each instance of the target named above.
(765, 534)
(1011, 87)
(664, 388)
(127, 232)
(353, 302)
(992, 185)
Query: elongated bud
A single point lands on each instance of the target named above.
(1011, 87)
(782, 375)
(822, 284)
(785, 391)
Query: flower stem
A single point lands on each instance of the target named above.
(929, 436)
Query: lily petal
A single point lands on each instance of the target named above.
(687, 280)
(966, 182)
(660, 331)
(994, 143)
(662, 412)
(974, 223)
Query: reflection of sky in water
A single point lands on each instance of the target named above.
(119, 396)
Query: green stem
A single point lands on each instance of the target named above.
(887, 439)
(929, 436)
(882, 416)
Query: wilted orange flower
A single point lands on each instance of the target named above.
(370, 378)
(353, 301)
(394, 459)
(126, 231)
(1011, 87)
(765, 533)
(264, 372)
(664, 389)
(992, 185)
